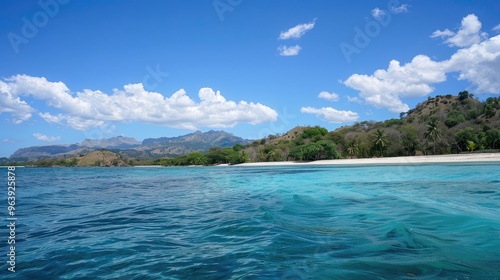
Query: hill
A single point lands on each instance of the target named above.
(118, 142)
(439, 125)
(100, 158)
(86, 146)
(174, 146)
(150, 148)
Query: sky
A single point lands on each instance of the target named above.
(74, 70)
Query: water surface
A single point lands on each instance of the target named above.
(283, 222)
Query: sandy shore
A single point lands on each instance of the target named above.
(487, 157)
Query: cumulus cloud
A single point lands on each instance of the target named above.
(478, 63)
(331, 115)
(297, 31)
(94, 108)
(289, 51)
(384, 88)
(328, 96)
(468, 34)
(13, 105)
(401, 9)
(354, 99)
(42, 137)
(496, 28)
(378, 13)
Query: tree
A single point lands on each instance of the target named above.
(380, 140)
(464, 135)
(463, 95)
(471, 146)
(493, 138)
(352, 148)
(410, 143)
(323, 149)
(433, 134)
(197, 158)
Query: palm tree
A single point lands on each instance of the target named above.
(433, 134)
(380, 140)
(471, 146)
(352, 148)
(409, 142)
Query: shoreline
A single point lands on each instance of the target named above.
(406, 160)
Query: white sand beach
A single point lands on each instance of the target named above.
(455, 158)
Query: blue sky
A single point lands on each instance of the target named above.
(72, 70)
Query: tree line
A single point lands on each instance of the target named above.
(440, 125)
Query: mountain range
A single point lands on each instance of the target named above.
(130, 147)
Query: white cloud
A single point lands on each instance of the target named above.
(354, 99)
(378, 13)
(384, 88)
(468, 34)
(297, 31)
(496, 28)
(13, 105)
(328, 96)
(88, 109)
(401, 9)
(331, 115)
(442, 34)
(42, 137)
(478, 63)
(289, 51)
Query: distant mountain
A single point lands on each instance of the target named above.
(118, 142)
(43, 151)
(130, 147)
(197, 141)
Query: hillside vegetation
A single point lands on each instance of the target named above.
(439, 125)
(100, 158)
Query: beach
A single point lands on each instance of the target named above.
(453, 158)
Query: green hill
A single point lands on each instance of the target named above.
(439, 125)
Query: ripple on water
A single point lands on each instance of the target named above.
(261, 223)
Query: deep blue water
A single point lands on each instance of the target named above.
(295, 222)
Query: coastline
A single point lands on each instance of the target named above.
(406, 160)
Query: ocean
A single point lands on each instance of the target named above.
(431, 221)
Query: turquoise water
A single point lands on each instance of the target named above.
(295, 222)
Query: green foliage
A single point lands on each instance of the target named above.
(471, 146)
(352, 148)
(463, 95)
(197, 158)
(238, 147)
(454, 117)
(410, 142)
(311, 132)
(489, 110)
(418, 130)
(323, 149)
(380, 140)
(493, 138)
(392, 122)
(472, 114)
(433, 133)
(465, 135)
